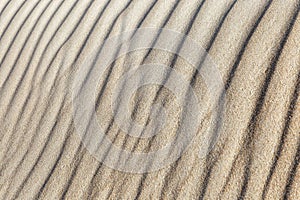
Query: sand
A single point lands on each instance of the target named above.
(44, 45)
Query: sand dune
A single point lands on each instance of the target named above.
(246, 58)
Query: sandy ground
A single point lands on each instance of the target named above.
(255, 46)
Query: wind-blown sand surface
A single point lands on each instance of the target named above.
(256, 47)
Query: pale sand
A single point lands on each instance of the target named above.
(259, 57)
